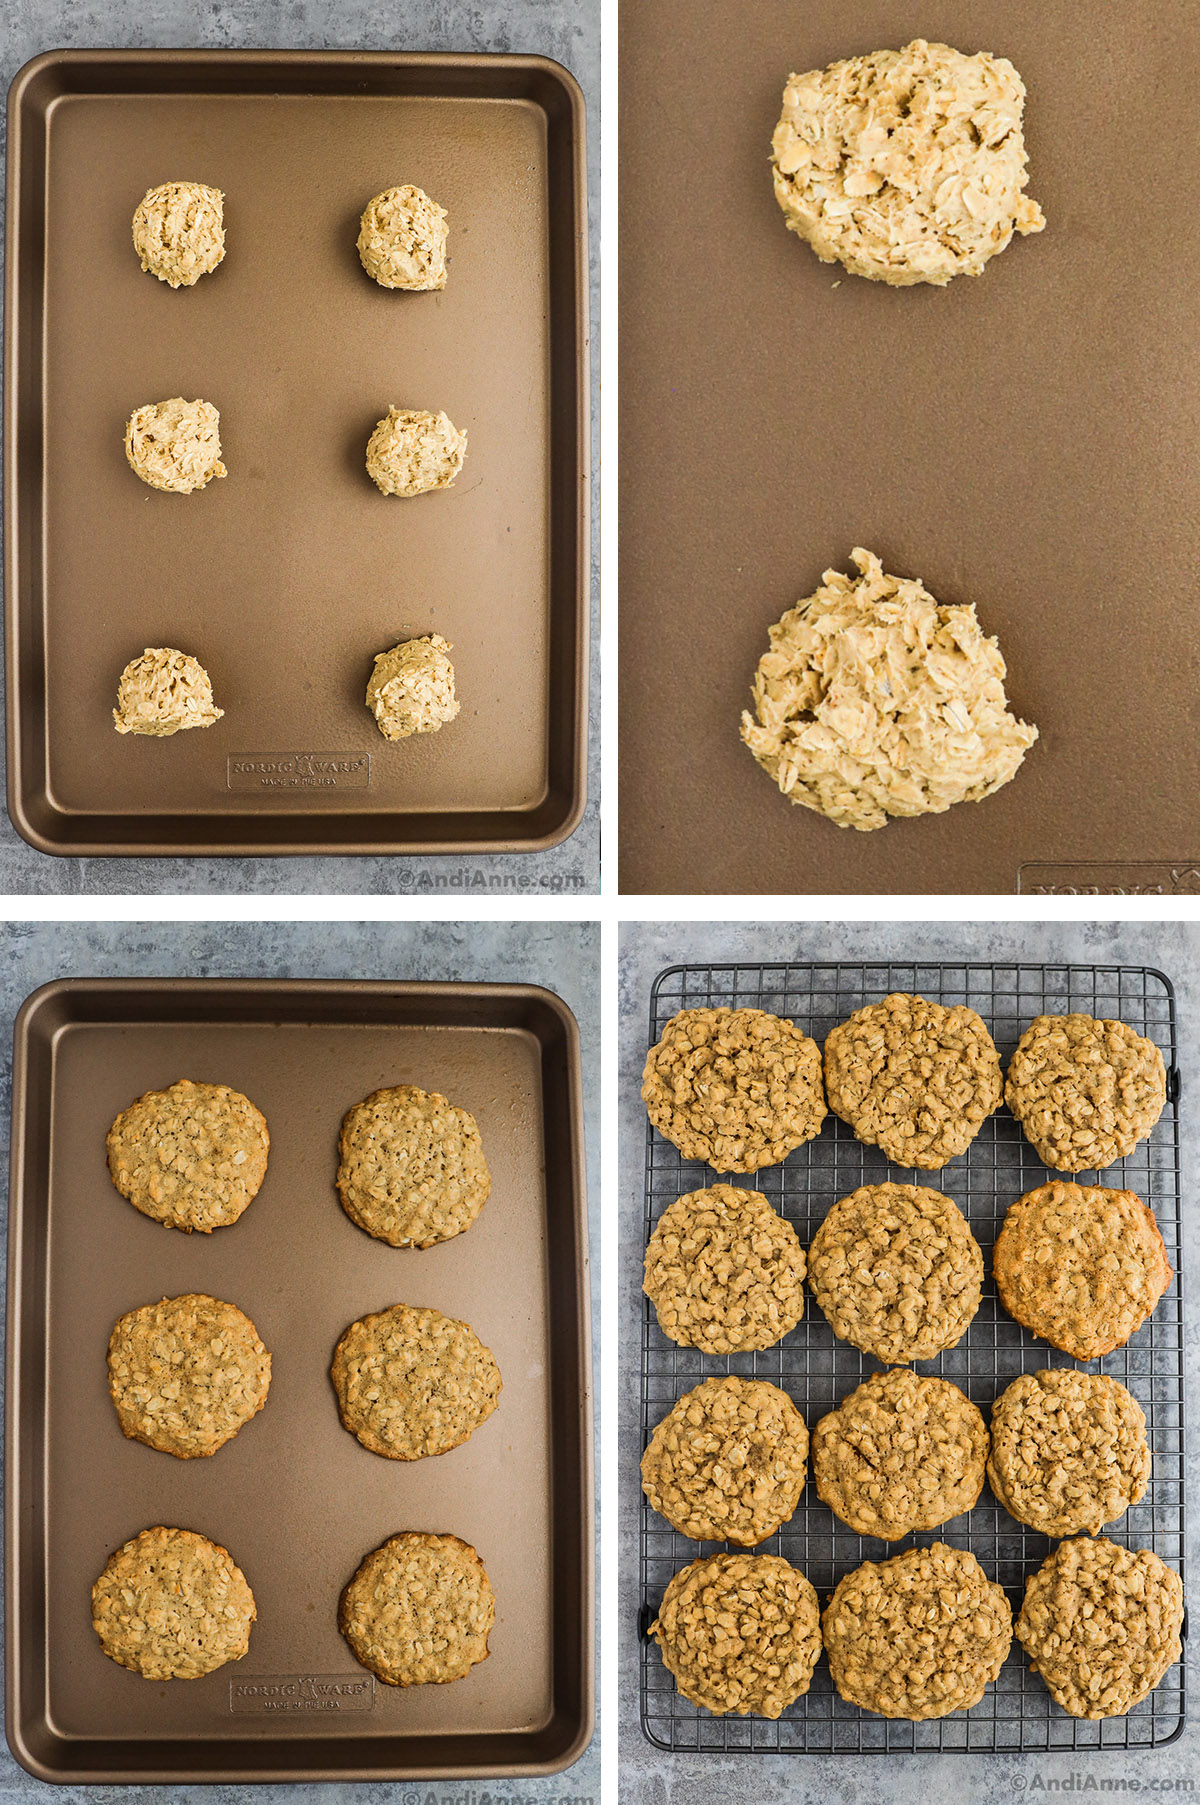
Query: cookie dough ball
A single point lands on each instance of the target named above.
(906, 165)
(874, 700)
(410, 453)
(163, 692)
(175, 445)
(179, 232)
(419, 1610)
(725, 1272)
(727, 1464)
(1068, 1451)
(411, 688)
(171, 1605)
(402, 239)
(1102, 1625)
(1085, 1091)
(740, 1633)
(917, 1636)
(186, 1374)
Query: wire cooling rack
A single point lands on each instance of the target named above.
(817, 1370)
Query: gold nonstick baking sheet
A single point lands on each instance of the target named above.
(818, 1371)
(294, 1497)
(288, 576)
(1025, 440)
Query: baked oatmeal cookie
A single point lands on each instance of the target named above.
(740, 1633)
(900, 1453)
(1081, 1266)
(163, 692)
(419, 1610)
(179, 232)
(913, 1078)
(186, 1374)
(412, 1382)
(875, 700)
(175, 445)
(724, 1272)
(412, 1170)
(1084, 1091)
(727, 1463)
(896, 1271)
(171, 1605)
(402, 239)
(905, 165)
(411, 452)
(917, 1636)
(738, 1088)
(192, 1156)
(1068, 1451)
(1101, 1624)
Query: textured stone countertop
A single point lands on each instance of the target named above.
(568, 31)
(563, 957)
(664, 1779)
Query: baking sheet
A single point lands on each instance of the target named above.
(294, 1497)
(1025, 441)
(287, 577)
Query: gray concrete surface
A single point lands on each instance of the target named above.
(562, 956)
(568, 31)
(646, 1773)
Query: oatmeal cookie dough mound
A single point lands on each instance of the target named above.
(1085, 1091)
(186, 1374)
(171, 1605)
(412, 1382)
(1068, 1451)
(738, 1088)
(175, 445)
(917, 1636)
(410, 452)
(727, 1463)
(419, 1610)
(412, 1169)
(875, 700)
(724, 1272)
(740, 1633)
(192, 1156)
(906, 165)
(164, 692)
(913, 1078)
(1101, 1624)
(900, 1453)
(402, 239)
(1081, 1266)
(896, 1271)
(411, 688)
(179, 232)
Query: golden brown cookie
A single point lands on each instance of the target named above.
(179, 232)
(905, 165)
(186, 1374)
(413, 1382)
(1084, 1091)
(1080, 1265)
(896, 1271)
(724, 1272)
(1101, 1624)
(419, 1610)
(738, 1088)
(402, 239)
(1068, 1451)
(727, 1463)
(913, 1078)
(175, 445)
(900, 1453)
(740, 1633)
(917, 1636)
(192, 1156)
(412, 1170)
(171, 1605)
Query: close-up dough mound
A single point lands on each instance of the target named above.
(906, 165)
(402, 239)
(175, 445)
(411, 689)
(179, 232)
(163, 692)
(875, 700)
(410, 452)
